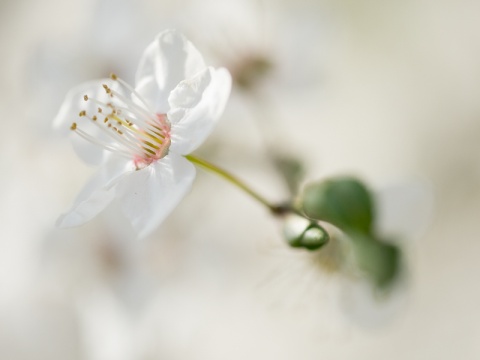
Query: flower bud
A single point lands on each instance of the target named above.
(303, 233)
(314, 237)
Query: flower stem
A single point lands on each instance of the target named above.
(275, 209)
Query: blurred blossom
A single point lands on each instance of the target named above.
(263, 43)
(404, 212)
(331, 276)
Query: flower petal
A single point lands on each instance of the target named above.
(169, 59)
(88, 152)
(149, 195)
(196, 106)
(96, 194)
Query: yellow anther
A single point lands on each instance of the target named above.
(99, 110)
(105, 120)
(107, 89)
(113, 76)
(94, 118)
(85, 97)
(74, 126)
(82, 113)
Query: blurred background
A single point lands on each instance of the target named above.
(388, 91)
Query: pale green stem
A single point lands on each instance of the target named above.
(276, 209)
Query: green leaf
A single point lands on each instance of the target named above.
(380, 261)
(343, 201)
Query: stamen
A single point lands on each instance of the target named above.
(125, 142)
(101, 103)
(132, 90)
(105, 146)
(140, 145)
(143, 137)
(149, 151)
(151, 145)
(145, 133)
(146, 112)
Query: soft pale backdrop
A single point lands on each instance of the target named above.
(385, 90)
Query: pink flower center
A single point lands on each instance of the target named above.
(157, 144)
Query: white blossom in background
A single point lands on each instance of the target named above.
(404, 212)
(263, 44)
(140, 135)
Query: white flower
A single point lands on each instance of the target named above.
(140, 135)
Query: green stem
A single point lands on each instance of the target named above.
(276, 209)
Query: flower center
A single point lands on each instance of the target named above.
(133, 130)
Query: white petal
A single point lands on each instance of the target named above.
(155, 97)
(149, 195)
(90, 153)
(96, 194)
(169, 59)
(196, 106)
